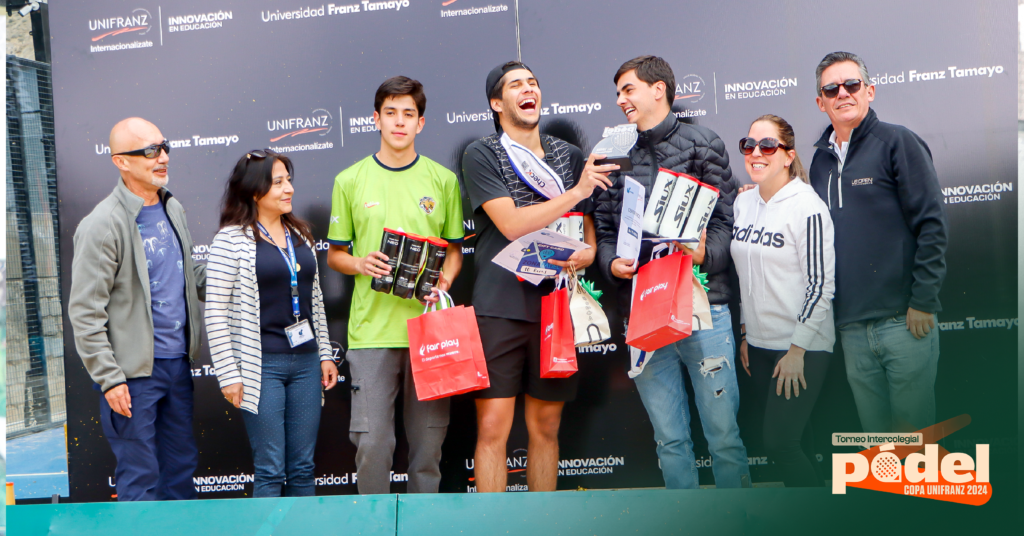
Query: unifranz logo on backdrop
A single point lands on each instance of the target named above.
(121, 31)
(319, 122)
(516, 463)
(690, 90)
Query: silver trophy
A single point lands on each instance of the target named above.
(615, 146)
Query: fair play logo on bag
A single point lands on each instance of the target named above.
(427, 349)
(934, 474)
(652, 290)
(450, 359)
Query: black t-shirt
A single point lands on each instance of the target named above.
(273, 277)
(487, 175)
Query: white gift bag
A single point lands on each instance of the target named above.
(589, 323)
(701, 308)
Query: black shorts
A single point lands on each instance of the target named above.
(511, 346)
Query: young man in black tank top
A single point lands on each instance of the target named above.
(508, 310)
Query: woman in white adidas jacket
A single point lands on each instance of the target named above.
(782, 247)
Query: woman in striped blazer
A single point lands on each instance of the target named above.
(266, 324)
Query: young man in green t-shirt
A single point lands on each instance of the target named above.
(398, 189)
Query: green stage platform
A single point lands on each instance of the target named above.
(708, 512)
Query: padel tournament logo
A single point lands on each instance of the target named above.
(301, 133)
(122, 31)
(894, 463)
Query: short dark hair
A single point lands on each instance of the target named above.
(651, 69)
(833, 58)
(398, 86)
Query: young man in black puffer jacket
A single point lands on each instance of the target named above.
(646, 87)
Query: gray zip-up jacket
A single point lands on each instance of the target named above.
(109, 305)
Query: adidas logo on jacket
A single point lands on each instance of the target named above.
(784, 255)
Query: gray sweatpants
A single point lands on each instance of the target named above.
(377, 374)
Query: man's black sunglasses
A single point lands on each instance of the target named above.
(832, 90)
(153, 151)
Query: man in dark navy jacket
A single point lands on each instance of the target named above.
(890, 238)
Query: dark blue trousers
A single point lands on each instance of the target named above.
(156, 452)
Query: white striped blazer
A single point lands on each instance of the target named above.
(233, 313)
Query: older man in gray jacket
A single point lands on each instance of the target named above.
(134, 307)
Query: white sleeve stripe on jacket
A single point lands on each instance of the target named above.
(813, 265)
(815, 277)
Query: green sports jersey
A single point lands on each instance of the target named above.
(421, 198)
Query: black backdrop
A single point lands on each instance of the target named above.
(224, 77)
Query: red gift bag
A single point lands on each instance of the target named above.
(557, 345)
(662, 309)
(445, 352)
(478, 347)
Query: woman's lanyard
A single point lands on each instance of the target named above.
(292, 265)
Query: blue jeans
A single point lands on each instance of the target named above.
(155, 449)
(283, 434)
(709, 356)
(891, 373)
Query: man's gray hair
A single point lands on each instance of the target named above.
(839, 57)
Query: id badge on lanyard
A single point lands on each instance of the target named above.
(300, 332)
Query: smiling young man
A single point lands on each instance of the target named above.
(507, 206)
(646, 87)
(398, 189)
(882, 191)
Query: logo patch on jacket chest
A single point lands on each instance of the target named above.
(427, 204)
(862, 182)
(758, 236)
